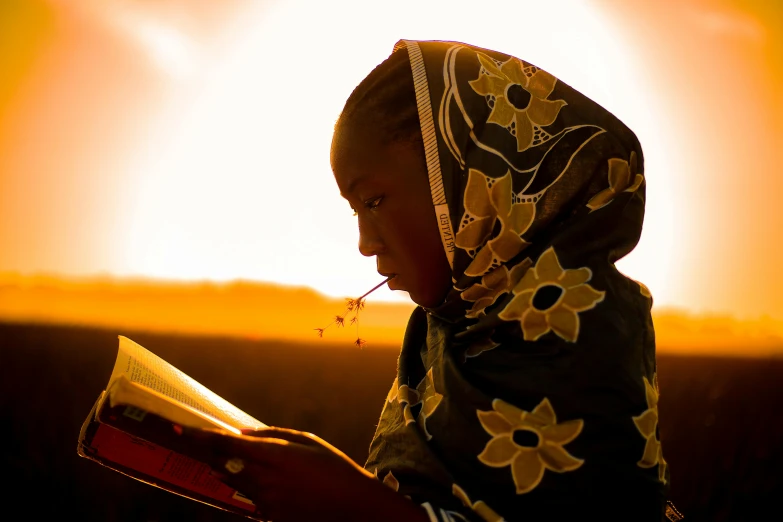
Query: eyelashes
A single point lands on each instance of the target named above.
(373, 203)
(370, 204)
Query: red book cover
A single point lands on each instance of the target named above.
(131, 428)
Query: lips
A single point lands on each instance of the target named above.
(394, 279)
(395, 284)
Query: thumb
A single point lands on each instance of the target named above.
(272, 432)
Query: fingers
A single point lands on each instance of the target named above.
(300, 437)
(245, 476)
(216, 446)
(253, 465)
(250, 479)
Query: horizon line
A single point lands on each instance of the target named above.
(14, 276)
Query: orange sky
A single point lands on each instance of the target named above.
(151, 139)
(264, 311)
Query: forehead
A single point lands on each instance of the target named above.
(359, 158)
(351, 148)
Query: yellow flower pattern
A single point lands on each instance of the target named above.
(424, 394)
(518, 95)
(622, 178)
(408, 397)
(493, 285)
(549, 298)
(430, 400)
(487, 201)
(647, 424)
(480, 346)
(392, 395)
(391, 481)
(529, 442)
(479, 507)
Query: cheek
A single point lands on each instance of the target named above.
(412, 238)
(420, 244)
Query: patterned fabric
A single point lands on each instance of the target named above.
(530, 393)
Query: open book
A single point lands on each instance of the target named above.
(131, 428)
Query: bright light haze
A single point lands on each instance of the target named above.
(190, 140)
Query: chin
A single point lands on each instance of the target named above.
(405, 293)
(424, 301)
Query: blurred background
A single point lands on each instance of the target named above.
(164, 174)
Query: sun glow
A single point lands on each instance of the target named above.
(242, 186)
(190, 140)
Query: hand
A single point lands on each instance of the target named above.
(293, 475)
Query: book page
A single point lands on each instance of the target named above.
(140, 400)
(141, 366)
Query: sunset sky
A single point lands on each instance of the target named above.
(189, 140)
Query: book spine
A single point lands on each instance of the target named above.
(137, 444)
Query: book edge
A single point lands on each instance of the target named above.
(123, 390)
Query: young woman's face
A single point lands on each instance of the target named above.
(387, 186)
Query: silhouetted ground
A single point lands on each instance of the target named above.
(721, 421)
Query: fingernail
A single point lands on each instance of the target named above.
(234, 465)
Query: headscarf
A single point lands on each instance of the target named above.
(530, 393)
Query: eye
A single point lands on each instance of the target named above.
(370, 204)
(373, 203)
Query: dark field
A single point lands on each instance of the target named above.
(721, 419)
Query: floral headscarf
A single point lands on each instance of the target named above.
(531, 391)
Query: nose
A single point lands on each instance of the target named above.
(370, 243)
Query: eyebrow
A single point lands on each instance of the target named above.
(352, 184)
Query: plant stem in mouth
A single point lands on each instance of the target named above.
(376, 287)
(355, 306)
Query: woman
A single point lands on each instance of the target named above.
(499, 198)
